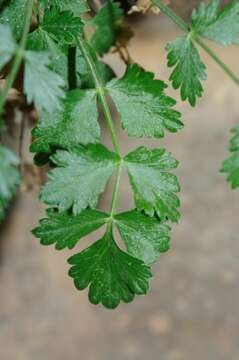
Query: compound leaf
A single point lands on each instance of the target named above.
(80, 177)
(75, 123)
(144, 108)
(112, 274)
(221, 26)
(9, 177)
(107, 25)
(7, 45)
(41, 85)
(230, 166)
(145, 237)
(154, 187)
(188, 71)
(65, 230)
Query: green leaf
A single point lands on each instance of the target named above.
(40, 40)
(144, 108)
(14, 16)
(204, 15)
(107, 25)
(65, 230)
(189, 70)
(145, 237)
(7, 45)
(85, 74)
(154, 187)
(221, 26)
(75, 123)
(112, 274)
(80, 177)
(85, 78)
(9, 177)
(41, 85)
(78, 7)
(62, 26)
(230, 166)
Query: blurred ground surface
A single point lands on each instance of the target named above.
(192, 309)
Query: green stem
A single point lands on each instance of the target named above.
(109, 121)
(185, 27)
(18, 57)
(171, 14)
(101, 92)
(116, 190)
(211, 53)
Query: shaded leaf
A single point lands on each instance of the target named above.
(107, 25)
(219, 25)
(40, 40)
(14, 16)
(7, 45)
(41, 85)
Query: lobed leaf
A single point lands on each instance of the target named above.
(14, 16)
(7, 45)
(41, 85)
(189, 70)
(145, 237)
(219, 25)
(78, 7)
(75, 123)
(65, 230)
(144, 108)
(153, 185)
(40, 40)
(80, 177)
(111, 274)
(63, 26)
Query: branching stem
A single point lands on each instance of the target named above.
(108, 119)
(185, 27)
(101, 92)
(18, 57)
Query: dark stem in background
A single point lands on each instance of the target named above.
(72, 78)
